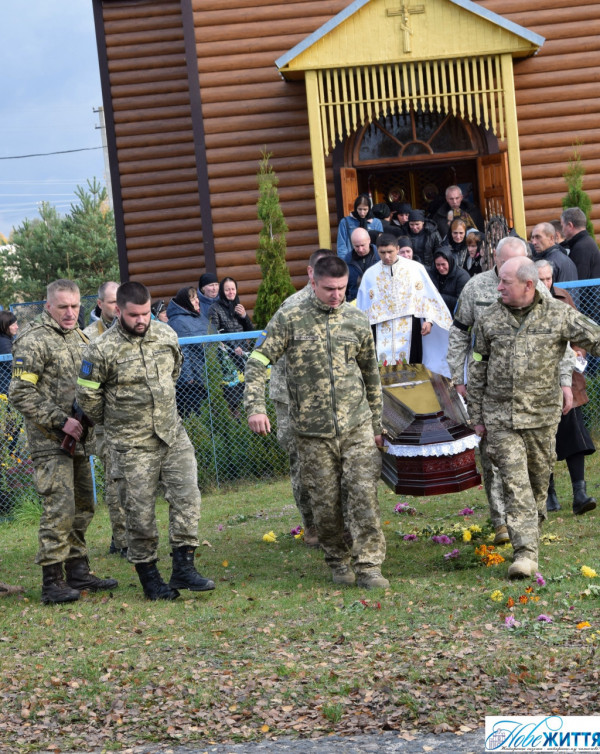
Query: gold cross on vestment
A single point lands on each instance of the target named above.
(405, 12)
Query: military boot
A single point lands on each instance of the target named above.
(582, 502)
(79, 577)
(54, 587)
(151, 580)
(185, 575)
(522, 568)
(552, 503)
(371, 579)
(343, 574)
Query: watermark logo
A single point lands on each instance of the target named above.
(555, 733)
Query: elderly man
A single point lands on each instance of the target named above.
(545, 248)
(456, 206)
(46, 355)
(515, 398)
(400, 300)
(364, 255)
(335, 408)
(474, 301)
(583, 250)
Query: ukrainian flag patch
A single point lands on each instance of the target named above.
(261, 339)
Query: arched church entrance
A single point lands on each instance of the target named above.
(413, 156)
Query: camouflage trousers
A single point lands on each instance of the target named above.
(286, 437)
(145, 471)
(525, 459)
(494, 489)
(65, 485)
(114, 493)
(355, 461)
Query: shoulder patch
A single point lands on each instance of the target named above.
(261, 339)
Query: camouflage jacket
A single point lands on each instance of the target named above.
(277, 384)
(331, 368)
(475, 299)
(96, 328)
(513, 377)
(46, 361)
(127, 383)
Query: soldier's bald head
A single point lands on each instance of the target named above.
(509, 247)
(518, 278)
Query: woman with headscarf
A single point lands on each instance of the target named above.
(360, 217)
(447, 277)
(228, 315)
(208, 290)
(185, 317)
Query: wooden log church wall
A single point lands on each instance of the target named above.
(192, 96)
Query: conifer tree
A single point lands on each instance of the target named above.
(576, 196)
(276, 283)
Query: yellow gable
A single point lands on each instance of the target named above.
(373, 32)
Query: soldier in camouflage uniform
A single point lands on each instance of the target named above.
(473, 303)
(286, 437)
(46, 357)
(127, 382)
(113, 493)
(335, 411)
(514, 396)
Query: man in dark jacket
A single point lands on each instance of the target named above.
(424, 236)
(546, 249)
(456, 206)
(447, 277)
(364, 255)
(583, 250)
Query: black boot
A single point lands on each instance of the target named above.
(552, 503)
(154, 587)
(54, 587)
(582, 502)
(79, 577)
(184, 575)
(113, 549)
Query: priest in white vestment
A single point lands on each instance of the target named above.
(391, 293)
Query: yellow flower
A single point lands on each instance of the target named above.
(270, 537)
(475, 529)
(3, 397)
(583, 624)
(466, 535)
(497, 596)
(589, 573)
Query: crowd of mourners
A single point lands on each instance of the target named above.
(429, 295)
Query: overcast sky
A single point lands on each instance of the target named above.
(49, 88)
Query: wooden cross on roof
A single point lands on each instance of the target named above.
(405, 11)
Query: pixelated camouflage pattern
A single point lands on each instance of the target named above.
(525, 459)
(114, 493)
(515, 384)
(65, 485)
(354, 460)
(475, 299)
(277, 383)
(53, 355)
(492, 482)
(331, 368)
(145, 471)
(287, 439)
(135, 397)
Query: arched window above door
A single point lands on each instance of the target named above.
(415, 134)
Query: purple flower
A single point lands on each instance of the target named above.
(401, 507)
(410, 537)
(540, 580)
(296, 531)
(454, 554)
(544, 618)
(443, 539)
(510, 621)
(466, 512)
(220, 527)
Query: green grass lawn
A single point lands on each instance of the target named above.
(278, 650)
